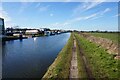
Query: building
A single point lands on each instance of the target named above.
(32, 32)
(2, 27)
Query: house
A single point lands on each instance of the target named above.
(32, 32)
(45, 31)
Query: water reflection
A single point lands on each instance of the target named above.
(21, 40)
(10, 42)
(31, 57)
(34, 39)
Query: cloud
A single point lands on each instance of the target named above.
(66, 23)
(117, 15)
(105, 11)
(24, 6)
(83, 18)
(4, 14)
(51, 14)
(55, 24)
(58, 24)
(92, 16)
(93, 4)
(37, 5)
(7, 19)
(96, 17)
(71, 21)
(58, 0)
(27, 0)
(67, 0)
(44, 8)
(87, 5)
(78, 19)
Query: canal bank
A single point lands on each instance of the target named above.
(99, 64)
(69, 63)
(60, 67)
(90, 62)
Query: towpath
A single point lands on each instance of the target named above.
(74, 65)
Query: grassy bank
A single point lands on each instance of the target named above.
(61, 65)
(102, 64)
(111, 36)
(81, 68)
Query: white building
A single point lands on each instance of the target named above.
(33, 32)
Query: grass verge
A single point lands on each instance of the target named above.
(111, 36)
(81, 68)
(103, 65)
(61, 65)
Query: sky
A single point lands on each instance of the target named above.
(61, 15)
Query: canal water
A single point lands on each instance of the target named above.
(30, 58)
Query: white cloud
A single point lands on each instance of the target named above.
(83, 18)
(105, 11)
(86, 5)
(10, 24)
(44, 8)
(77, 10)
(58, 0)
(37, 5)
(6, 17)
(66, 23)
(96, 17)
(24, 6)
(67, 0)
(69, 22)
(51, 14)
(93, 4)
(57, 24)
(117, 15)
(4, 14)
(27, 0)
(91, 16)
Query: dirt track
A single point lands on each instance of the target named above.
(74, 65)
(85, 63)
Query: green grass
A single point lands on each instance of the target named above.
(61, 65)
(102, 64)
(81, 69)
(111, 36)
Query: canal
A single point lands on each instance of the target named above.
(30, 58)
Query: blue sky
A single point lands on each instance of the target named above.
(61, 15)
